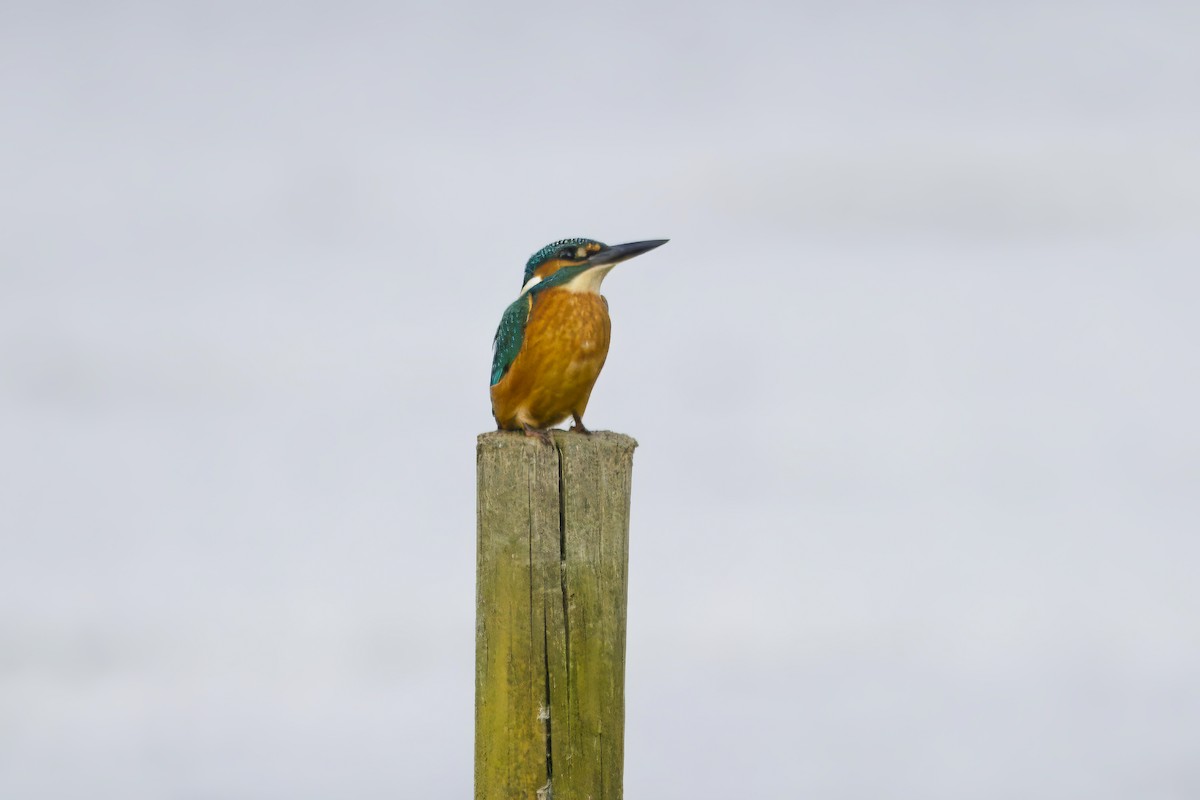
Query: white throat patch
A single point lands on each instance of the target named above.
(589, 280)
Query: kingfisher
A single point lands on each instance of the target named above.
(553, 339)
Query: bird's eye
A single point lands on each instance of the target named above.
(567, 252)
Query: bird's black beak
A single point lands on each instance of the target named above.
(623, 252)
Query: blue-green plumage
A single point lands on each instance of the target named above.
(563, 248)
(509, 335)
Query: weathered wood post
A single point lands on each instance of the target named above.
(553, 552)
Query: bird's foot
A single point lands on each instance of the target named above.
(578, 426)
(540, 434)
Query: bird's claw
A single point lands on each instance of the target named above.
(540, 434)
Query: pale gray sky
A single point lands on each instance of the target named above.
(915, 508)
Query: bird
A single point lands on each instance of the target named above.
(553, 339)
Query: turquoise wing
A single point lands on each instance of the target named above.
(509, 335)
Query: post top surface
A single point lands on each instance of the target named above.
(605, 440)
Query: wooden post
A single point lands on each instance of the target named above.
(551, 586)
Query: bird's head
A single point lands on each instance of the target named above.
(573, 257)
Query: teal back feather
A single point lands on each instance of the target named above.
(509, 336)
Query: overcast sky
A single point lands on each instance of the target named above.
(916, 504)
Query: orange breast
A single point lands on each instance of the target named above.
(565, 344)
